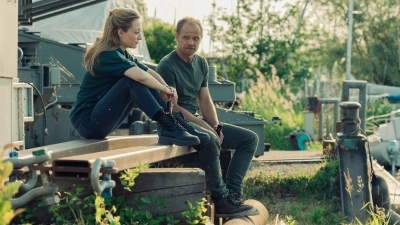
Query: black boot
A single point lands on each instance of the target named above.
(189, 128)
(236, 197)
(227, 208)
(171, 132)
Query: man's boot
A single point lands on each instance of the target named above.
(171, 132)
(189, 128)
(228, 208)
(236, 197)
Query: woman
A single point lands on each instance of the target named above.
(115, 81)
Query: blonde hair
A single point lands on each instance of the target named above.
(118, 18)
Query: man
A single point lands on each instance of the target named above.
(187, 72)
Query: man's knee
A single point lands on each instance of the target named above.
(253, 138)
(209, 144)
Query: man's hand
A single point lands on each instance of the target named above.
(220, 137)
(218, 132)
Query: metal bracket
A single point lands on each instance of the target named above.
(106, 184)
(28, 161)
(34, 193)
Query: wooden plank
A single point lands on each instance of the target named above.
(153, 178)
(178, 185)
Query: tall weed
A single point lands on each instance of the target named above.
(268, 98)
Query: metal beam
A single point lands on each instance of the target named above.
(76, 167)
(32, 12)
(86, 146)
(335, 103)
(362, 96)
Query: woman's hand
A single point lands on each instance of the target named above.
(168, 94)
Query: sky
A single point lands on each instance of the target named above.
(200, 9)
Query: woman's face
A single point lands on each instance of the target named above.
(132, 36)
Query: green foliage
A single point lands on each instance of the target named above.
(259, 33)
(313, 145)
(160, 38)
(378, 112)
(128, 177)
(195, 215)
(93, 209)
(312, 199)
(267, 99)
(8, 190)
(379, 107)
(257, 37)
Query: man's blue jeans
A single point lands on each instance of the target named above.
(111, 110)
(244, 143)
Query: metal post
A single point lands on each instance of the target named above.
(335, 103)
(349, 40)
(354, 167)
(362, 96)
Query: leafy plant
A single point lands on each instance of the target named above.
(94, 209)
(195, 214)
(104, 216)
(73, 208)
(7, 213)
(127, 178)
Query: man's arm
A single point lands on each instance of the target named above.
(207, 108)
(190, 117)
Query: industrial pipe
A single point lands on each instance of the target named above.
(335, 103)
(362, 96)
(261, 219)
(354, 167)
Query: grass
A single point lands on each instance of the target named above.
(308, 196)
(303, 196)
(268, 98)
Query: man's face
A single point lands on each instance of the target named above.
(188, 39)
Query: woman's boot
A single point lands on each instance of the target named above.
(171, 132)
(189, 128)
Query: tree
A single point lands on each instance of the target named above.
(257, 35)
(159, 38)
(375, 47)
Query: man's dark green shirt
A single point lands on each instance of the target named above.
(110, 69)
(186, 78)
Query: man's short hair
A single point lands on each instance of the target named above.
(188, 19)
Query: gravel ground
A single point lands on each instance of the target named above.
(283, 169)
